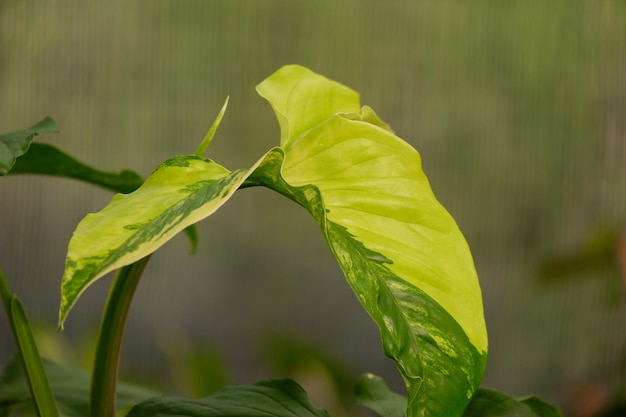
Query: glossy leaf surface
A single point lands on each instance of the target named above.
(401, 252)
(15, 144)
(277, 398)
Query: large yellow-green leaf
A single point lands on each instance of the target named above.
(439, 363)
(400, 250)
(289, 93)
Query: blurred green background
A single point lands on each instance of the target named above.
(517, 108)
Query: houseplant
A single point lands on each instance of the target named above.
(401, 252)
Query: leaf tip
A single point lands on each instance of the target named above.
(62, 317)
(209, 136)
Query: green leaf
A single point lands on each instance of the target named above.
(402, 253)
(490, 403)
(14, 144)
(47, 160)
(541, 408)
(70, 386)
(372, 392)
(209, 136)
(36, 380)
(277, 398)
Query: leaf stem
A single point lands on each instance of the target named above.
(5, 294)
(108, 352)
(40, 390)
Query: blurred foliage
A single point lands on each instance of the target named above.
(328, 378)
(197, 369)
(604, 251)
(70, 386)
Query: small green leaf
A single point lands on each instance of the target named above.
(15, 144)
(209, 136)
(372, 392)
(70, 386)
(45, 159)
(541, 408)
(275, 398)
(490, 403)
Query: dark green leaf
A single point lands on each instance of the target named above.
(490, 403)
(15, 144)
(70, 386)
(372, 392)
(541, 407)
(277, 398)
(48, 160)
(192, 235)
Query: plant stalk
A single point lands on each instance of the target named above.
(40, 389)
(108, 352)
